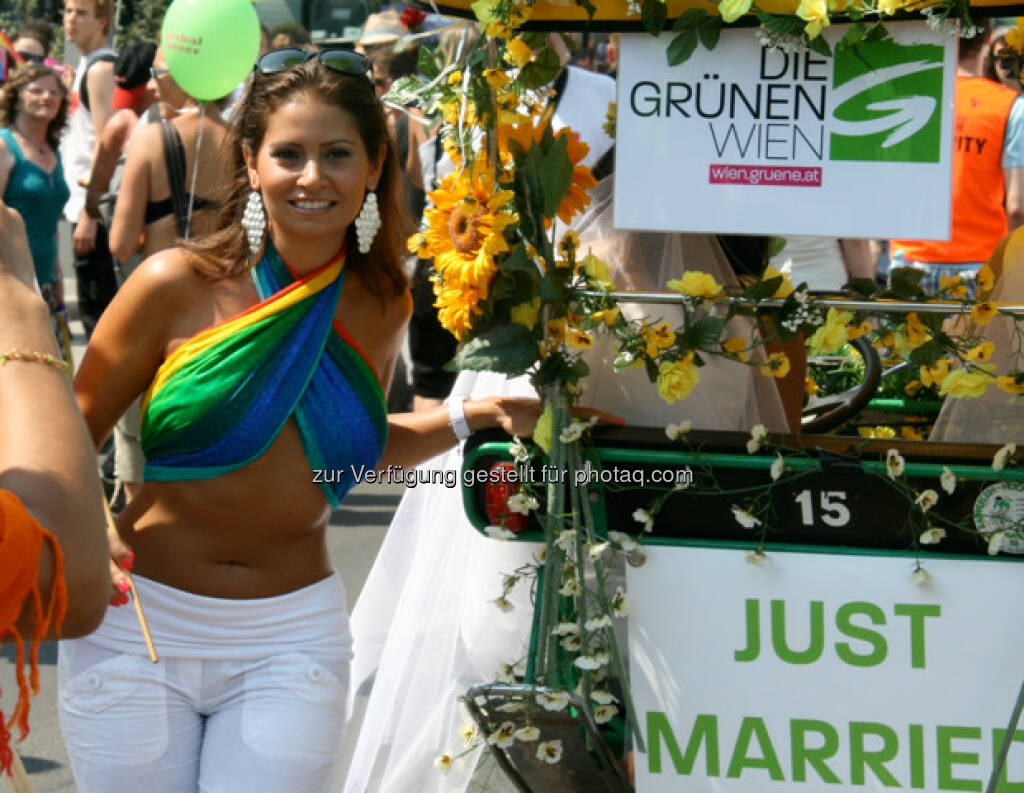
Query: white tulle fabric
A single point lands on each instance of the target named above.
(995, 417)
(423, 627)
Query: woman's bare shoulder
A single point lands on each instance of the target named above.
(167, 275)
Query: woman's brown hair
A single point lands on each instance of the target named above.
(224, 253)
(11, 93)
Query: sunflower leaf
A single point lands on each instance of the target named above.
(541, 70)
(509, 349)
(653, 13)
(555, 175)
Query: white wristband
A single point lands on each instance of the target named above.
(457, 418)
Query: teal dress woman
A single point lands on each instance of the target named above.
(33, 110)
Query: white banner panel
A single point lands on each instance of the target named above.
(747, 140)
(823, 672)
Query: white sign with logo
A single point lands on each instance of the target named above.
(748, 140)
(823, 672)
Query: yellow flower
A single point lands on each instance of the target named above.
(731, 10)
(418, 244)
(986, 279)
(936, 373)
(518, 52)
(876, 432)
(696, 284)
(555, 329)
(1015, 37)
(888, 340)
(964, 383)
(569, 243)
(983, 352)
(664, 336)
(815, 13)
(498, 30)
(777, 365)
(911, 433)
(580, 339)
(911, 388)
(953, 284)
(607, 315)
(855, 332)
(810, 387)
(542, 429)
(785, 288)
(457, 308)
(496, 78)
(735, 347)
(830, 336)
(455, 77)
(917, 333)
(1010, 384)
(983, 312)
(890, 7)
(597, 270)
(676, 379)
(526, 313)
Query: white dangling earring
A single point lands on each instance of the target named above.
(254, 221)
(368, 222)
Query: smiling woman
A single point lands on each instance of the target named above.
(262, 353)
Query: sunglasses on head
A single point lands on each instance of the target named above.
(337, 60)
(31, 57)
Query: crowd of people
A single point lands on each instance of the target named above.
(243, 283)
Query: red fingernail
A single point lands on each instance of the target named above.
(122, 600)
(124, 586)
(128, 561)
(115, 601)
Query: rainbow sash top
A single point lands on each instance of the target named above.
(220, 399)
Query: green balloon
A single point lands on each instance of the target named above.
(210, 45)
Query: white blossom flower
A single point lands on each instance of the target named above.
(527, 733)
(598, 548)
(572, 644)
(947, 479)
(758, 558)
(894, 464)
(541, 554)
(507, 674)
(604, 713)
(778, 465)
(995, 542)
(920, 576)
(443, 763)
(553, 700)
(570, 587)
(603, 696)
(503, 604)
(674, 431)
(927, 499)
(550, 751)
(565, 629)
(518, 450)
(572, 433)
(566, 539)
(469, 733)
(619, 604)
(931, 536)
(522, 503)
(643, 517)
(596, 623)
(499, 533)
(757, 434)
(623, 541)
(590, 662)
(744, 518)
(504, 736)
(1002, 456)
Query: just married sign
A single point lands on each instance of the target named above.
(823, 671)
(744, 139)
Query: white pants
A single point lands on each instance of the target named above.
(249, 695)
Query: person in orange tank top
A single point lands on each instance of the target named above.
(988, 175)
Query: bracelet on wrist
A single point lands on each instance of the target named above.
(33, 356)
(457, 418)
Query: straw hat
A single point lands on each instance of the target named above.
(383, 28)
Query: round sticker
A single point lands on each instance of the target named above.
(1000, 508)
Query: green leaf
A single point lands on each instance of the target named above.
(819, 45)
(876, 32)
(932, 321)
(427, 63)
(863, 286)
(541, 70)
(709, 31)
(927, 354)
(904, 283)
(510, 349)
(785, 25)
(653, 13)
(548, 290)
(682, 47)
(518, 260)
(854, 35)
(704, 333)
(534, 39)
(763, 289)
(775, 246)
(555, 175)
(690, 19)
